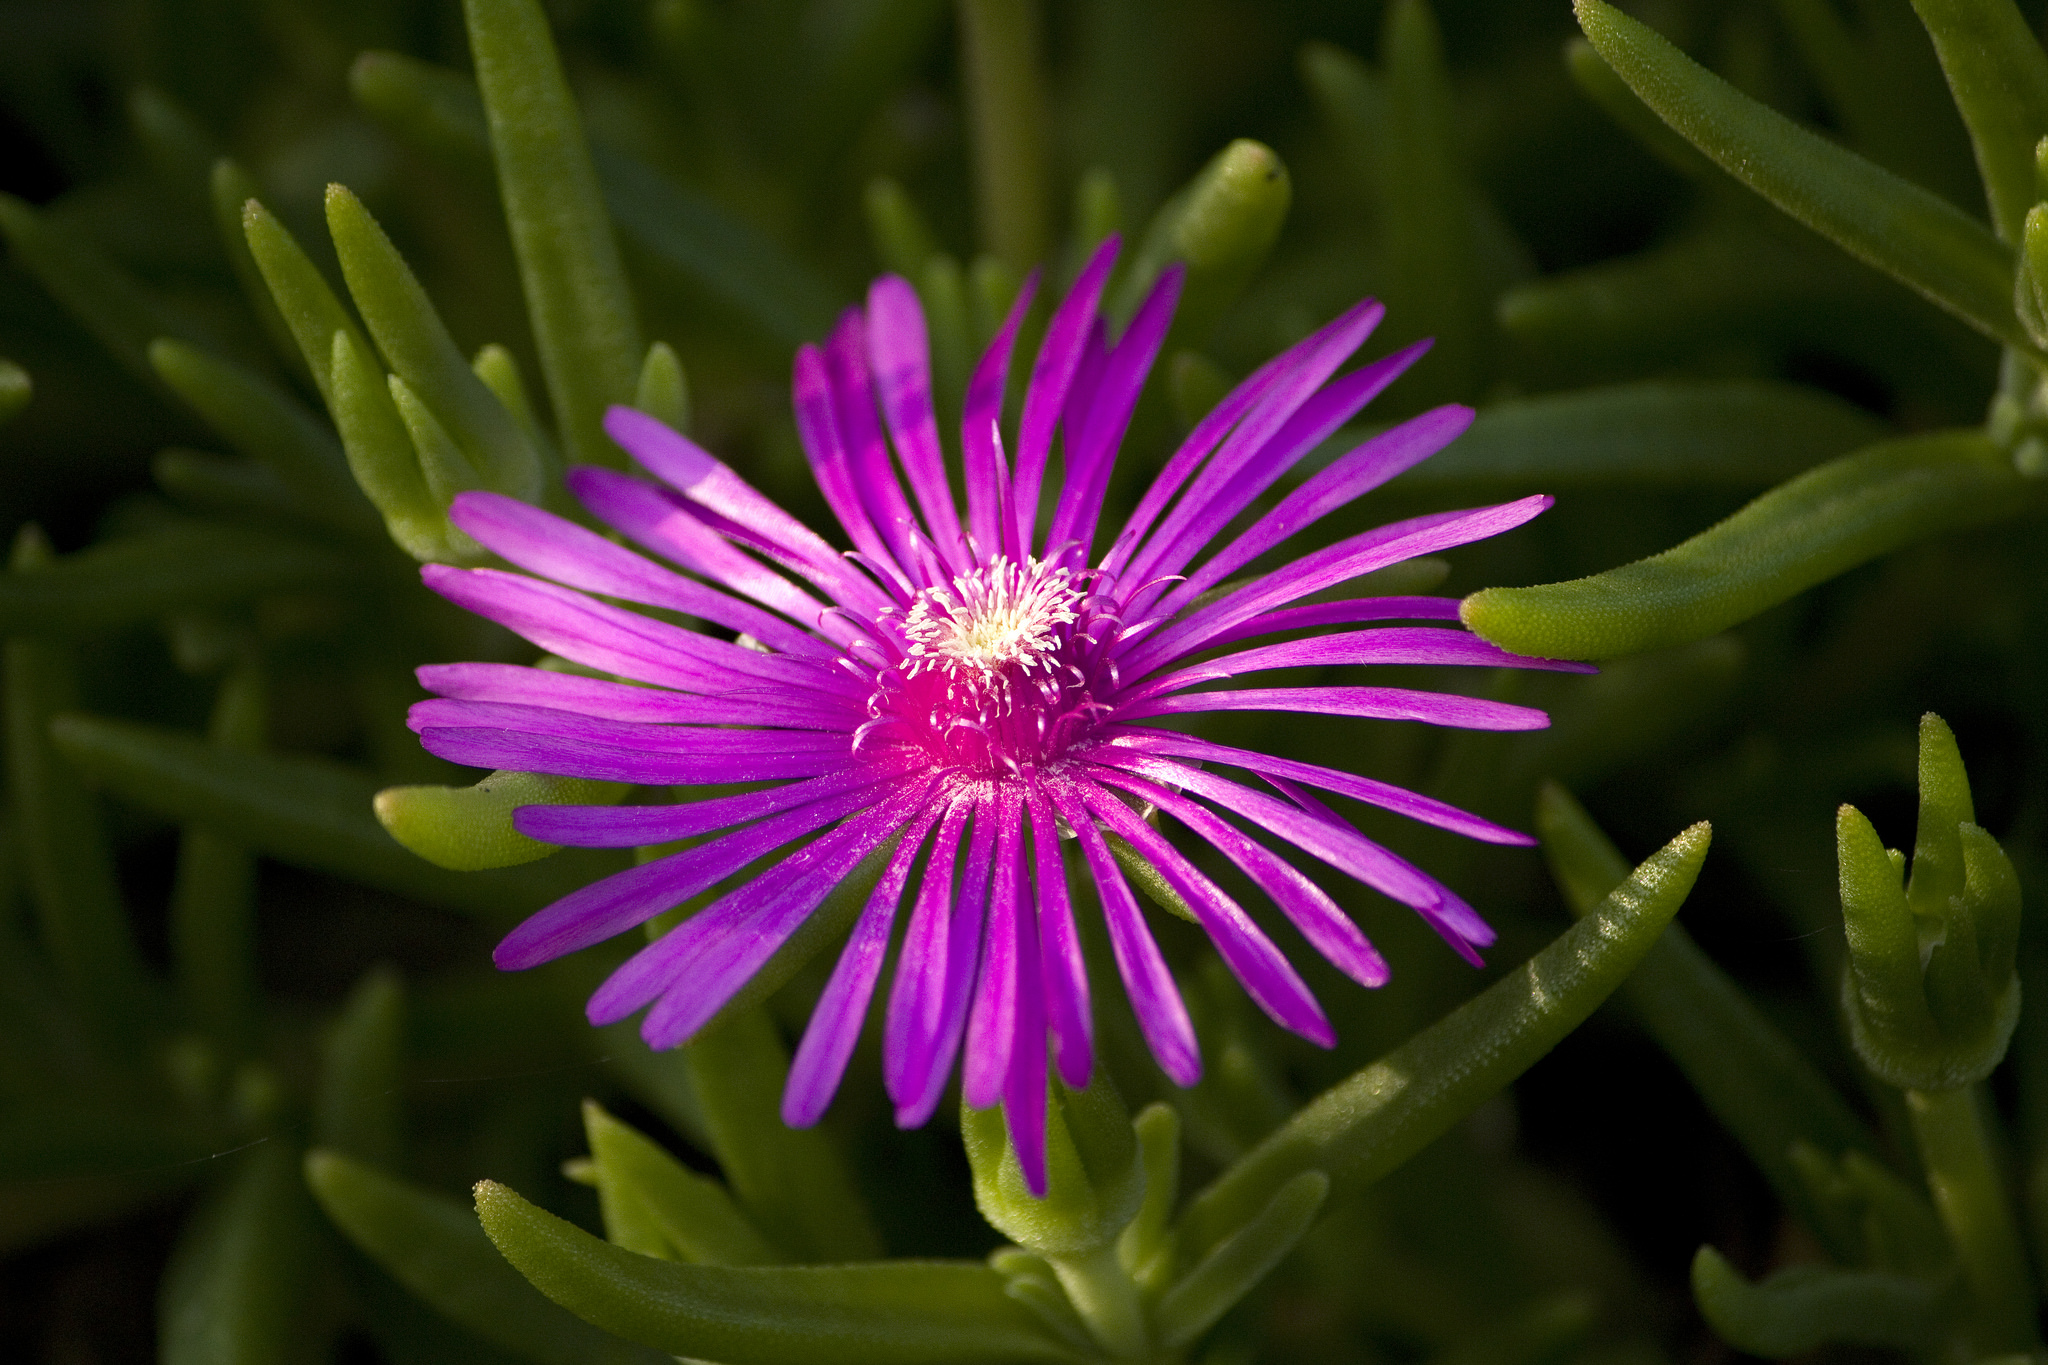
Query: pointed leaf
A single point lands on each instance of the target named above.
(1659, 433)
(1893, 224)
(138, 578)
(576, 295)
(358, 1108)
(1798, 1310)
(433, 1247)
(876, 1313)
(1999, 78)
(15, 390)
(655, 1205)
(306, 812)
(1365, 1126)
(238, 1288)
(1761, 1088)
(1804, 532)
(470, 829)
(1237, 1263)
(266, 424)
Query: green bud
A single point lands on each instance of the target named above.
(1931, 994)
(1095, 1180)
(1222, 224)
(15, 390)
(663, 390)
(2030, 281)
(902, 239)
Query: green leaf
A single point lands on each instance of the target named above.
(1805, 1307)
(1999, 79)
(886, 1313)
(731, 261)
(16, 388)
(138, 578)
(267, 425)
(470, 828)
(109, 303)
(655, 1205)
(792, 1182)
(1761, 1088)
(433, 1247)
(1222, 225)
(664, 390)
(1237, 1263)
(359, 1105)
(901, 238)
(1598, 82)
(1364, 1127)
(1007, 117)
(1095, 1177)
(387, 461)
(576, 294)
(1804, 532)
(239, 1286)
(415, 343)
(216, 483)
(71, 880)
(1426, 204)
(230, 189)
(1893, 224)
(213, 902)
(1945, 806)
(1145, 1248)
(306, 303)
(1659, 433)
(734, 263)
(306, 812)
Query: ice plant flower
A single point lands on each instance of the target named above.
(954, 697)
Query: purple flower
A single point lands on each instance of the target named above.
(956, 696)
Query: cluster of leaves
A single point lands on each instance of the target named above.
(204, 694)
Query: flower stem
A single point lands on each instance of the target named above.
(999, 41)
(1963, 1178)
(1107, 1300)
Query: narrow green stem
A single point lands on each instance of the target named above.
(1948, 1125)
(999, 56)
(1107, 1300)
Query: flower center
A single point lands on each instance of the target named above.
(999, 615)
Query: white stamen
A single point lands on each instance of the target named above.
(998, 615)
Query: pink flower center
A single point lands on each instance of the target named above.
(995, 673)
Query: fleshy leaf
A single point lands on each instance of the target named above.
(655, 1205)
(1805, 1307)
(434, 1248)
(1999, 79)
(1893, 224)
(307, 812)
(238, 1286)
(1237, 1263)
(137, 578)
(1749, 1074)
(1222, 224)
(358, 1108)
(1365, 1126)
(880, 1313)
(1804, 532)
(469, 829)
(16, 388)
(576, 295)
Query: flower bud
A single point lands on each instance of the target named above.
(1095, 1180)
(1931, 992)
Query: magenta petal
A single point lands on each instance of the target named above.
(1307, 906)
(1381, 703)
(916, 996)
(934, 1061)
(842, 1007)
(638, 894)
(1400, 800)
(981, 438)
(1046, 396)
(901, 354)
(1262, 968)
(636, 826)
(1162, 1016)
(992, 1024)
(1024, 1088)
(695, 967)
(1068, 1013)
